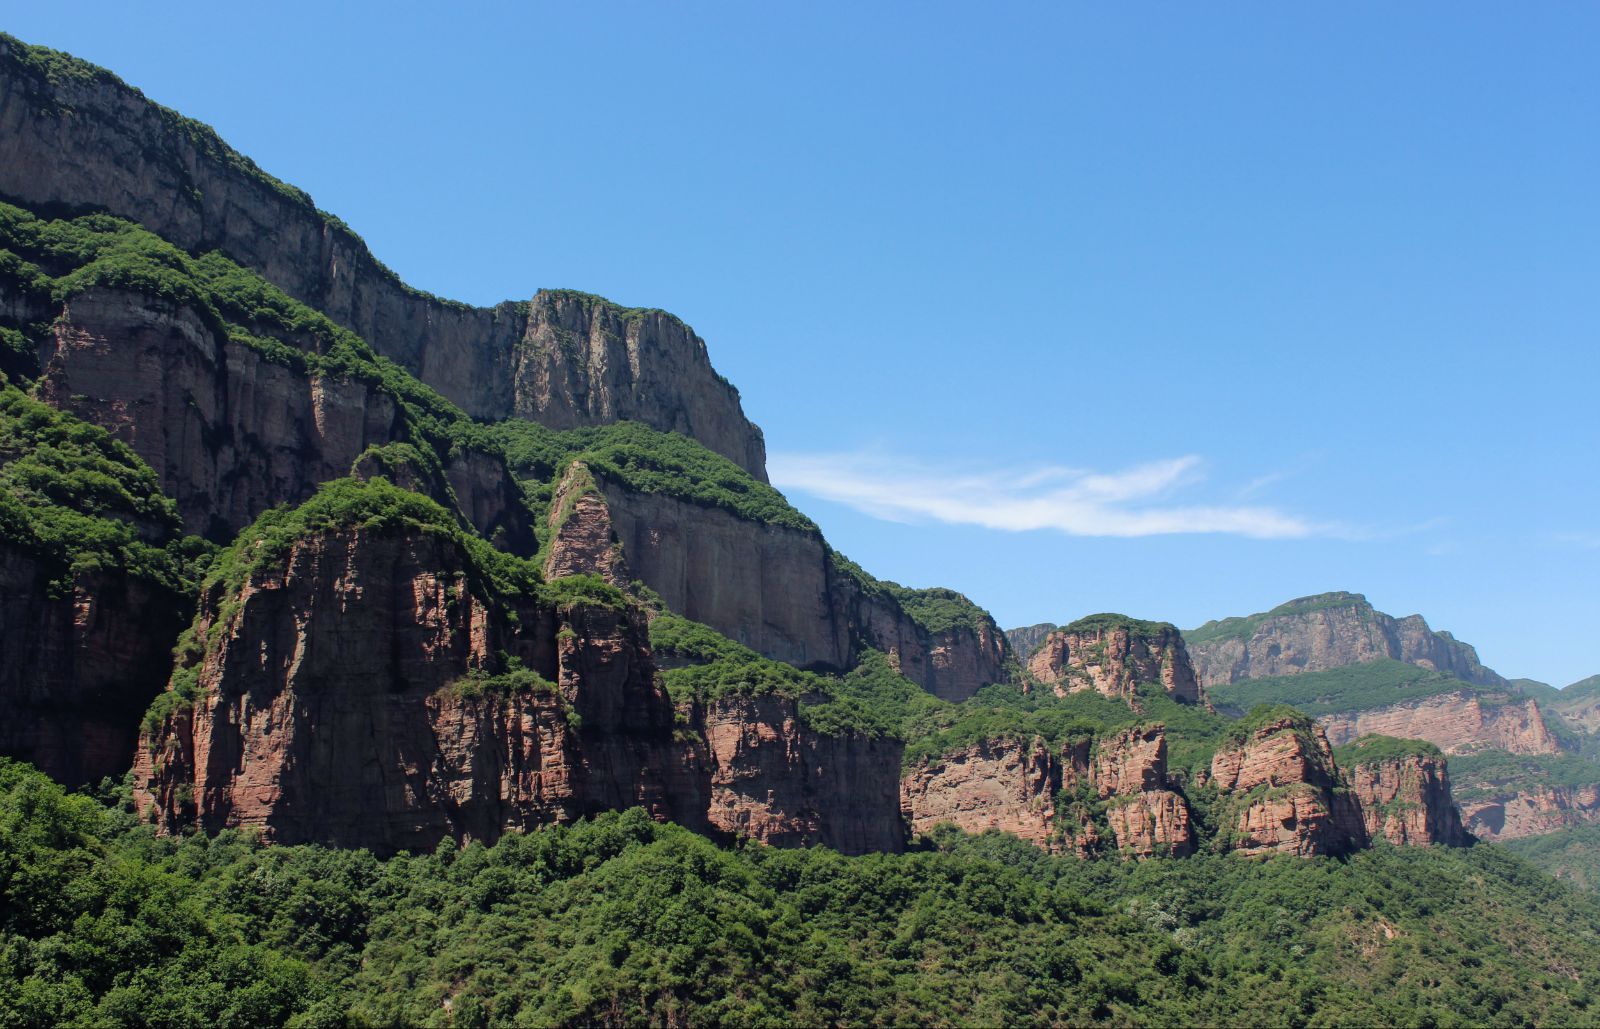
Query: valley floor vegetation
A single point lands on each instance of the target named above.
(618, 919)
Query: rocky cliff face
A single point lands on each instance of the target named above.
(1407, 800)
(346, 700)
(1113, 655)
(1146, 817)
(1003, 784)
(776, 780)
(86, 141)
(1014, 785)
(1284, 793)
(1026, 639)
(370, 691)
(773, 588)
(1532, 812)
(582, 541)
(1456, 723)
(231, 433)
(1330, 630)
(78, 667)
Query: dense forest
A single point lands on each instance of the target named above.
(623, 919)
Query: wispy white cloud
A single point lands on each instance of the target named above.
(1137, 501)
(1581, 540)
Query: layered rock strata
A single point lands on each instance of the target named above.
(774, 779)
(1329, 630)
(1114, 656)
(80, 139)
(773, 588)
(230, 432)
(1146, 817)
(1456, 723)
(370, 690)
(1532, 811)
(1018, 786)
(1005, 784)
(1407, 800)
(1285, 793)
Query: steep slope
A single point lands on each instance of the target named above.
(1579, 705)
(94, 584)
(75, 137)
(1077, 795)
(1329, 630)
(1282, 790)
(364, 673)
(242, 398)
(720, 548)
(239, 397)
(1403, 787)
(1507, 796)
(1112, 655)
(1518, 770)
(1026, 639)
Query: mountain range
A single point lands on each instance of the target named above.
(303, 567)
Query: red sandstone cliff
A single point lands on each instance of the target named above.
(1146, 817)
(1406, 799)
(773, 588)
(1453, 722)
(338, 705)
(1532, 810)
(1113, 655)
(1004, 784)
(776, 780)
(1282, 793)
(371, 690)
(1018, 786)
(231, 433)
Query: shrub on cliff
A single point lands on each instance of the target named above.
(82, 501)
(1374, 749)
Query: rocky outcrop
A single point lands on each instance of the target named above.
(1532, 811)
(1329, 630)
(774, 779)
(1131, 761)
(79, 666)
(84, 140)
(1026, 639)
(1406, 799)
(370, 689)
(1456, 723)
(1114, 655)
(363, 693)
(1003, 784)
(1282, 793)
(231, 432)
(582, 541)
(582, 360)
(1146, 817)
(1017, 786)
(1150, 824)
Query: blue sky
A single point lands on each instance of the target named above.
(1175, 310)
